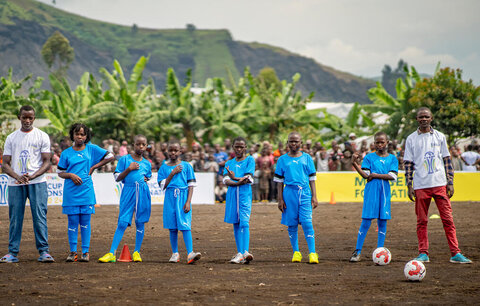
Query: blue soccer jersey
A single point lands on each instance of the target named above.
(135, 197)
(239, 198)
(181, 180)
(176, 196)
(138, 175)
(79, 163)
(295, 171)
(376, 196)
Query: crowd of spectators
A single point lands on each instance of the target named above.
(208, 158)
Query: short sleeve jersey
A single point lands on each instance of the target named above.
(470, 157)
(26, 150)
(296, 171)
(181, 180)
(240, 168)
(135, 176)
(380, 165)
(426, 151)
(79, 163)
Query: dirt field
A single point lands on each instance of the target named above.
(270, 279)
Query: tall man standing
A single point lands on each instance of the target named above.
(426, 154)
(26, 158)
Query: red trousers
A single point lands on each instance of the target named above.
(422, 203)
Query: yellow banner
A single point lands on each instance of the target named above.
(349, 186)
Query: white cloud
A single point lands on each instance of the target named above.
(347, 57)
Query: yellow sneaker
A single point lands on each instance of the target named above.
(313, 258)
(297, 257)
(136, 257)
(109, 257)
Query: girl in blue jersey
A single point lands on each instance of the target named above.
(295, 176)
(178, 179)
(76, 166)
(133, 171)
(238, 176)
(377, 168)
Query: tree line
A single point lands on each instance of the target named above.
(261, 107)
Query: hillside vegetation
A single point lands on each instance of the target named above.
(25, 25)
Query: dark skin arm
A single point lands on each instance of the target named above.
(25, 179)
(235, 181)
(175, 170)
(100, 164)
(371, 176)
(75, 178)
(314, 194)
(281, 202)
(187, 206)
(131, 167)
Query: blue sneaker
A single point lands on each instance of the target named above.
(9, 258)
(422, 257)
(459, 258)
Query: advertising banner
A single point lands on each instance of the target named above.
(107, 190)
(349, 186)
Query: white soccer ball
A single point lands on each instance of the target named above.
(381, 256)
(414, 270)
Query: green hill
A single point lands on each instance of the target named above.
(25, 25)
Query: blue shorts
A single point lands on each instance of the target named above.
(78, 210)
(173, 215)
(136, 199)
(298, 201)
(238, 205)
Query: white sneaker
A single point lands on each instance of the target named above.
(247, 257)
(175, 258)
(237, 259)
(193, 257)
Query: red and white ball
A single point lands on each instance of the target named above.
(415, 270)
(381, 256)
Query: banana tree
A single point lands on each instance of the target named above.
(182, 107)
(357, 121)
(397, 108)
(64, 106)
(128, 104)
(10, 102)
(278, 109)
(224, 115)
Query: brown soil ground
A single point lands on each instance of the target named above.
(270, 279)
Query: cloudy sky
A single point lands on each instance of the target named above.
(357, 36)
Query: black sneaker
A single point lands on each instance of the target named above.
(355, 256)
(72, 257)
(85, 257)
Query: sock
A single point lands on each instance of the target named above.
(85, 231)
(73, 221)
(309, 236)
(382, 232)
(139, 236)
(293, 235)
(245, 233)
(238, 237)
(362, 233)
(121, 227)
(187, 238)
(174, 240)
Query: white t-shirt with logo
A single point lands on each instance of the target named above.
(470, 157)
(26, 151)
(426, 151)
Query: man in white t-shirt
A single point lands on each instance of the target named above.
(26, 158)
(426, 154)
(470, 159)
